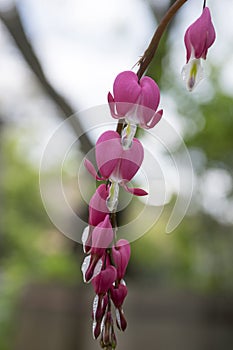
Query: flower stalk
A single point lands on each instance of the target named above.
(119, 155)
(149, 54)
(152, 48)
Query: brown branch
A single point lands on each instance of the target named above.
(14, 25)
(151, 50)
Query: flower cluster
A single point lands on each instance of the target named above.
(198, 38)
(119, 156)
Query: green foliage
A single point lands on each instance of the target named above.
(31, 249)
(216, 137)
(198, 254)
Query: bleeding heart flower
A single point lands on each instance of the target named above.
(97, 205)
(97, 213)
(101, 238)
(117, 164)
(121, 256)
(198, 38)
(104, 280)
(118, 295)
(134, 100)
(98, 310)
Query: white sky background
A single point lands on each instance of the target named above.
(83, 45)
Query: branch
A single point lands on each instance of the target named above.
(13, 23)
(151, 50)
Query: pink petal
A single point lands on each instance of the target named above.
(97, 206)
(102, 236)
(131, 160)
(187, 45)
(200, 36)
(108, 152)
(112, 106)
(149, 100)
(135, 191)
(154, 120)
(126, 90)
(118, 295)
(121, 255)
(150, 94)
(211, 31)
(91, 169)
(104, 280)
(126, 87)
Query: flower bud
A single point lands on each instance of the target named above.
(121, 255)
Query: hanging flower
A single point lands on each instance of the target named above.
(97, 213)
(198, 38)
(116, 164)
(135, 101)
(121, 256)
(101, 238)
(97, 205)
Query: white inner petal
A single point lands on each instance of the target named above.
(118, 318)
(112, 200)
(93, 328)
(94, 307)
(102, 324)
(98, 268)
(123, 282)
(84, 237)
(127, 135)
(192, 73)
(84, 267)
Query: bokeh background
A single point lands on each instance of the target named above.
(57, 58)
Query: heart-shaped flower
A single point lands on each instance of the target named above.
(135, 100)
(121, 256)
(115, 163)
(198, 38)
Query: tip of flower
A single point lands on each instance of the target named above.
(192, 73)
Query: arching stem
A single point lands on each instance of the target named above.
(151, 50)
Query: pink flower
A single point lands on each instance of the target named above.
(115, 163)
(101, 238)
(97, 213)
(97, 205)
(200, 36)
(136, 101)
(99, 308)
(120, 319)
(118, 295)
(198, 39)
(108, 338)
(104, 280)
(121, 256)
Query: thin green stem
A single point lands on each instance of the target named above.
(151, 50)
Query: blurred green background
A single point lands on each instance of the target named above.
(197, 257)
